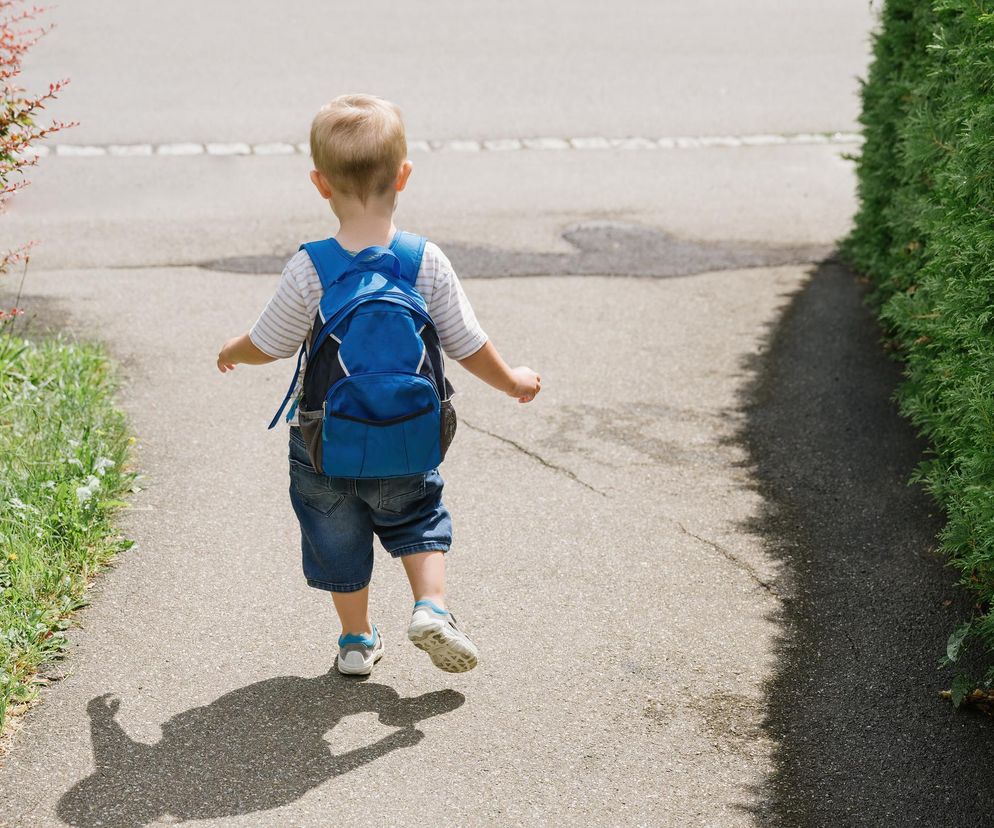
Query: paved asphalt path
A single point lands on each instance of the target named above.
(611, 558)
(861, 737)
(598, 565)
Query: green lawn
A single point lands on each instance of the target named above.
(63, 453)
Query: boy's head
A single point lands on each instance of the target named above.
(359, 149)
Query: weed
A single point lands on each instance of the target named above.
(63, 452)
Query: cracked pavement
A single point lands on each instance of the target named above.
(591, 607)
(603, 559)
(535, 456)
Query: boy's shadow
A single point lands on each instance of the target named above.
(256, 748)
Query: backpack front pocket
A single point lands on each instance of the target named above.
(381, 425)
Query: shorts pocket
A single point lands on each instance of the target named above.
(313, 489)
(397, 494)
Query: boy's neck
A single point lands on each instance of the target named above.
(358, 232)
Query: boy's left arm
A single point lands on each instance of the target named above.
(241, 349)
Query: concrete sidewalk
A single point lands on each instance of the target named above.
(600, 562)
(603, 559)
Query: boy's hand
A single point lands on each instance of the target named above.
(225, 359)
(526, 384)
(521, 383)
(240, 350)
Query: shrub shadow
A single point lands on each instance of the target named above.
(256, 748)
(861, 735)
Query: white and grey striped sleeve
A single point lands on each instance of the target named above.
(458, 331)
(285, 321)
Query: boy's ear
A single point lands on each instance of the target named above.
(405, 173)
(321, 183)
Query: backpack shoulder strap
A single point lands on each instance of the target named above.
(330, 261)
(410, 249)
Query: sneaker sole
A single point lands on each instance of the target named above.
(447, 652)
(364, 670)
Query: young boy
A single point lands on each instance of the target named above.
(360, 165)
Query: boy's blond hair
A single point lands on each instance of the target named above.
(358, 144)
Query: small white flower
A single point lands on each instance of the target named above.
(17, 503)
(101, 464)
(84, 493)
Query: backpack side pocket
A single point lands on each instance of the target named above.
(311, 427)
(449, 420)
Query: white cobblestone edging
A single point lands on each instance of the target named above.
(541, 144)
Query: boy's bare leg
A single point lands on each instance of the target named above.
(432, 628)
(426, 572)
(353, 611)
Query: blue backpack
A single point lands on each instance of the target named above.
(375, 400)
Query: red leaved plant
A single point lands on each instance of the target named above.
(19, 110)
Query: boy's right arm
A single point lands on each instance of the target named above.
(280, 328)
(521, 383)
(241, 350)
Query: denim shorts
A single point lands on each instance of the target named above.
(338, 517)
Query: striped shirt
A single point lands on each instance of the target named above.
(286, 321)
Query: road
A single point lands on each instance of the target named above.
(607, 557)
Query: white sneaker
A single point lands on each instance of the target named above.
(434, 630)
(358, 653)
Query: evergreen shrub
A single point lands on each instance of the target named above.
(924, 235)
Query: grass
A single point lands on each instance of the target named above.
(924, 234)
(63, 452)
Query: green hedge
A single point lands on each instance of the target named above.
(924, 234)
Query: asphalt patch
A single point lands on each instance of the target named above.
(862, 737)
(602, 248)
